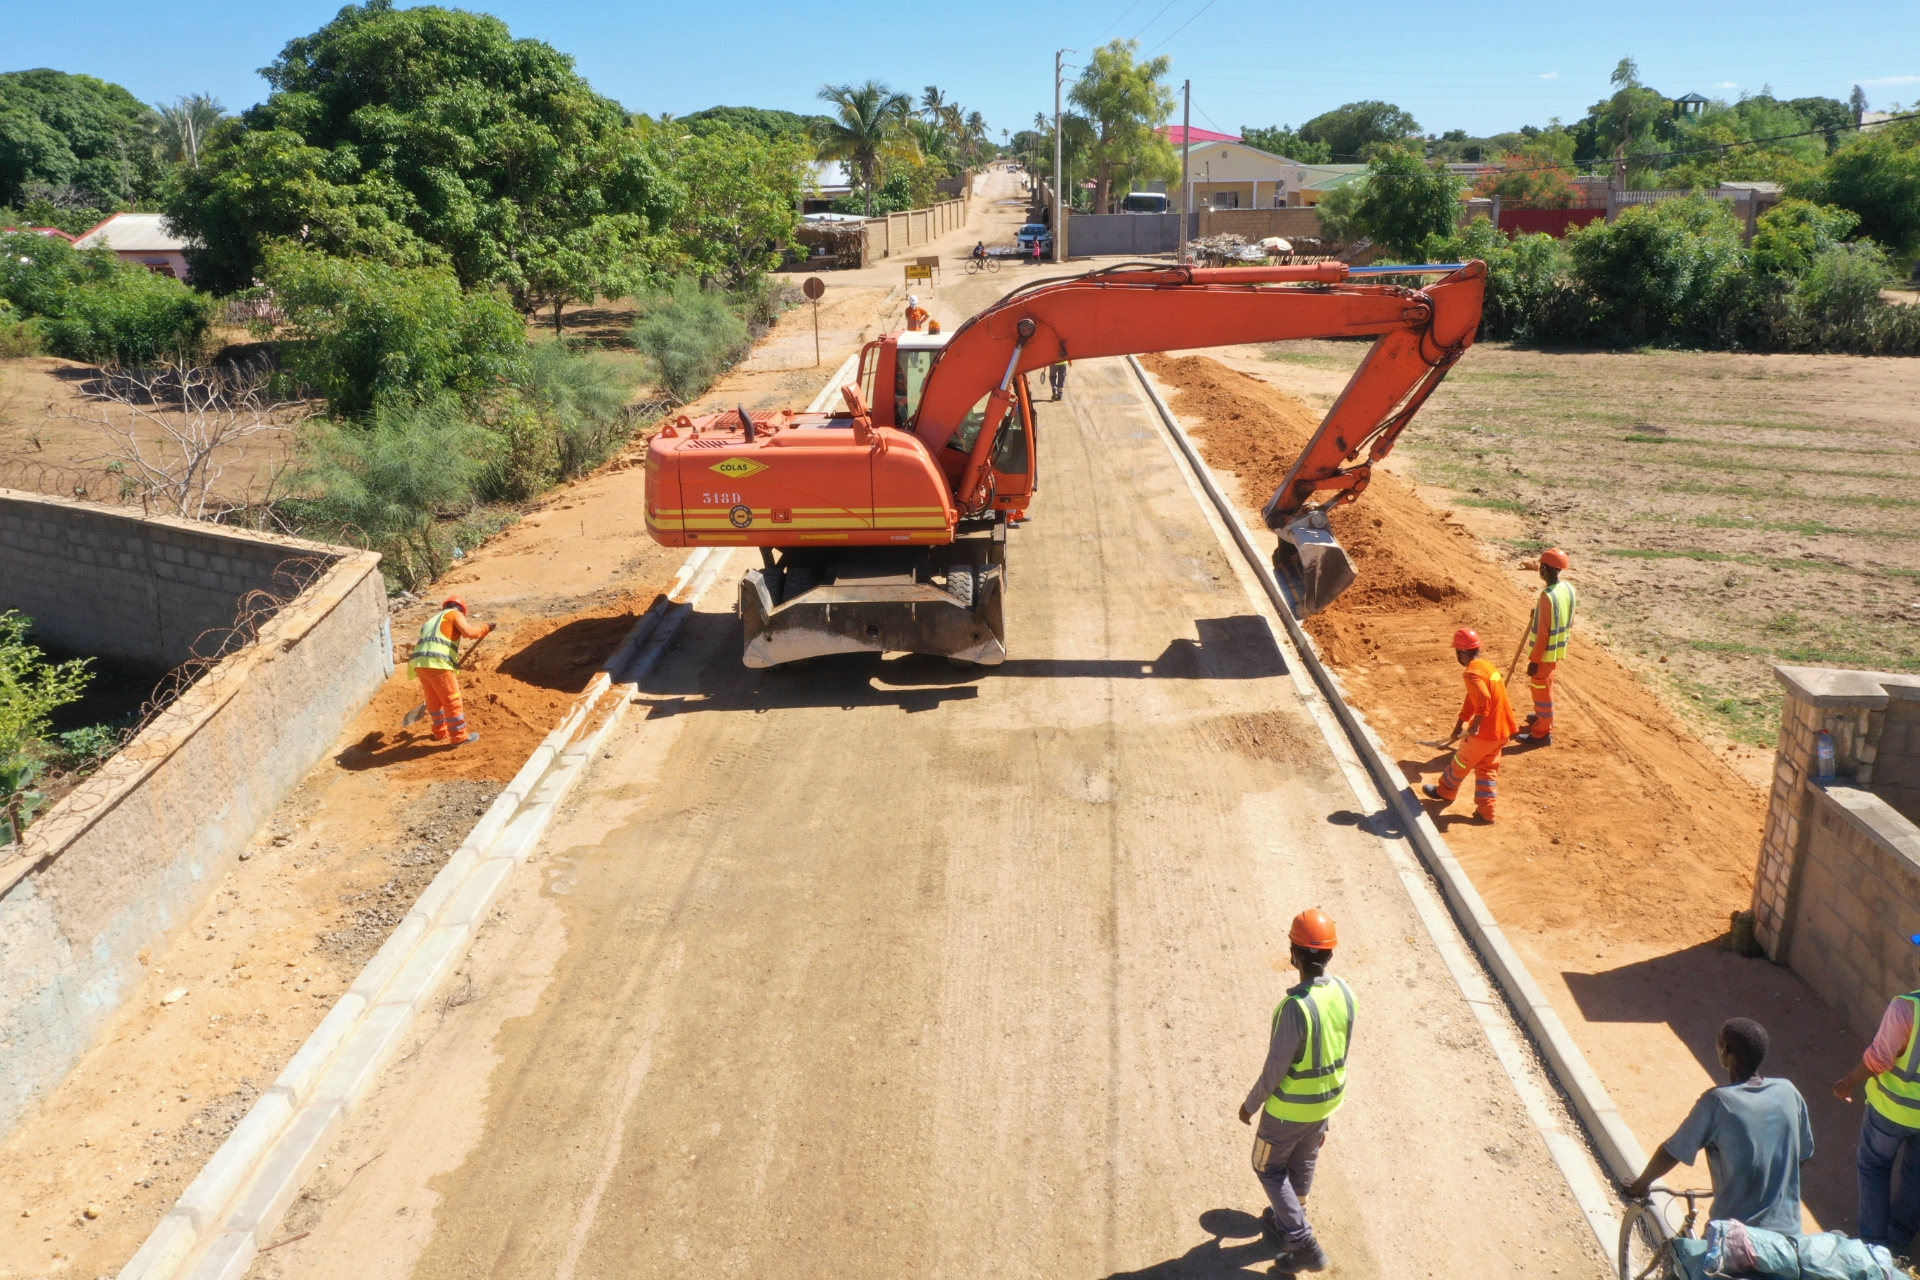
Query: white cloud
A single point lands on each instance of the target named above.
(1724, 84)
(1894, 80)
(1549, 75)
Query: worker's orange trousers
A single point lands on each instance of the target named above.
(442, 688)
(1481, 758)
(1541, 685)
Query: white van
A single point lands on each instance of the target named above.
(1144, 202)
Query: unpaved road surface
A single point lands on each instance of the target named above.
(886, 967)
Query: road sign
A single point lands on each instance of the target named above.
(919, 271)
(813, 287)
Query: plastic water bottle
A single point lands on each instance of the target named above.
(1825, 752)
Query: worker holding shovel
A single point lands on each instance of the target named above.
(435, 660)
(1486, 719)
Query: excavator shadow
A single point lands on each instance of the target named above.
(1235, 648)
(1235, 1248)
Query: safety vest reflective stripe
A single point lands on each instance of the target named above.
(1328, 1008)
(1895, 1092)
(1560, 598)
(433, 646)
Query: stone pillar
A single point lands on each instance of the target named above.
(1850, 705)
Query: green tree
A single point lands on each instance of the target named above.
(1793, 233)
(1284, 140)
(59, 131)
(367, 335)
(868, 131)
(429, 135)
(1406, 200)
(1724, 138)
(1877, 176)
(1627, 125)
(1125, 101)
(768, 123)
(1353, 132)
(742, 194)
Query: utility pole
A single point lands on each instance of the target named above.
(1186, 151)
(1059, 160)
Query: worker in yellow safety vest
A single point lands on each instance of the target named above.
(1547, 636)
(1301, 1086)
(1890, 1129)
(435, 659)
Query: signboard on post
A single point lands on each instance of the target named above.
(813, 287)
(918, 271)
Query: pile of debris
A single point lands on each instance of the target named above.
(1230, 250)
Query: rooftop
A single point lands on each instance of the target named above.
(133, 233)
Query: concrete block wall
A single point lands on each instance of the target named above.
(1837, 889)
(133, 853)
(138, 589)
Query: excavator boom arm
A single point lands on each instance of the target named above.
(1420, 334)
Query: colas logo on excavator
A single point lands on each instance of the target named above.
(738, 468)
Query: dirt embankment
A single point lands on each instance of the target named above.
(1627, 827)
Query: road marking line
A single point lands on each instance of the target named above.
(1571, 1154)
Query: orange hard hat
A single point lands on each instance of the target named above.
(1313, 929)
(454, 602)
(1466, 638)
(1554, 558)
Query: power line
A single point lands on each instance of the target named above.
(1155, 18)
(1117, 21)
(1182, 27)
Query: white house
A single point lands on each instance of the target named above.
(141, 238)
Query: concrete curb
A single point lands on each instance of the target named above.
(1612, 1139)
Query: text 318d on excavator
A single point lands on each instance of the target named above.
(884, 527)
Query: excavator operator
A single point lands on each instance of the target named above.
(1302, 1084)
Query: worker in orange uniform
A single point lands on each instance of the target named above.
(916, 314)
(1487, 720)
(435, 659)
(1547, 637)
(1302, 1084)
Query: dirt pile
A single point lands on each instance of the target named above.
(1628, 827)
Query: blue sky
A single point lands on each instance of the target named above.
(1482, 68)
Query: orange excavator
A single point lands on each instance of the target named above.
(884, 527)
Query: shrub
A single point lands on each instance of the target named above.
(689, 335)
(1406, 200)
(1668, 273)
(87, 304)
(1792, 233)
(582, 401)
(387, 480)
(366, 335)
(30, 690)
(1528, 294)
(18, 337)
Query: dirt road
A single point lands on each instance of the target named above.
(886, 967)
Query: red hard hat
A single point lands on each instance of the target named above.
(454, 602)
(1313, 929)
(1554, 558)
(1466, 638)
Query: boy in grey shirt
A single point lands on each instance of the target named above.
(1756, 1133)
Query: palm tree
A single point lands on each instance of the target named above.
(933, 104)
(176, 132)
(868, 130)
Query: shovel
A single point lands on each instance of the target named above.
(1434, 743)
(460, 663)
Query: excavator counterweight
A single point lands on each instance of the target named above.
(883, 527)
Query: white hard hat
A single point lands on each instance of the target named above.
(913, 299)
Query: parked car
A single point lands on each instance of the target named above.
(1026, 235)
(1144, 202)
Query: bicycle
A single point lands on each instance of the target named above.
(1646, 1239)
(976, 263)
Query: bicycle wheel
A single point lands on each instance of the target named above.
(993, 264)
(1643, 1255)
(973, 266)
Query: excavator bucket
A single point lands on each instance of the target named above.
(1313, 563)
(873, 615)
